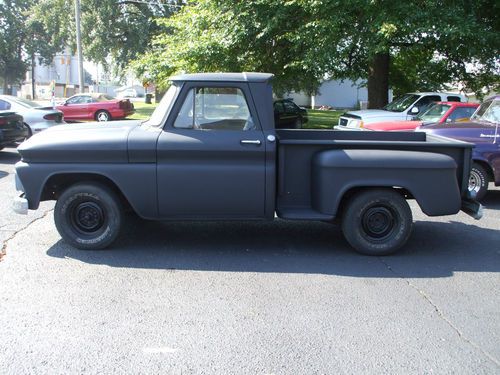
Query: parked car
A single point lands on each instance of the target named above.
(12, 129)
(441, 112)
(37, 117)
(401, 109)
(288, 115)
(171, 168)
(483, 130)
(98, 107)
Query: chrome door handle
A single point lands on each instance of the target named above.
(250, 142)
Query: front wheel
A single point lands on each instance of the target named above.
(88, 216)
(377, 222)
(478, 181)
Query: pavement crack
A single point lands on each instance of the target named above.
(3, 250)
(441, 314)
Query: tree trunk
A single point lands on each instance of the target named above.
(378, 81)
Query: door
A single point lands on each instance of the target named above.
(76, 107)
(211, 155)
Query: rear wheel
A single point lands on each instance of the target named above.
(478, 181)
(377, 222)
(102, 116)
(88, 216)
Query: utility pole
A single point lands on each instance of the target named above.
(79, 45)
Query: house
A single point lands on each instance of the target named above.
(336, 94)
(62, 72)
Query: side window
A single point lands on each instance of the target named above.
(215, 108)
(74, 100)
(278, 107)
(461, 113)
(290, 107)
(4, 105)
(424, 103)
(454, 98)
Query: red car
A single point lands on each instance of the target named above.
(97, 107)
(439, 112)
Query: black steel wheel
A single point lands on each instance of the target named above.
(377, 221)
(478, 181)
(88, 216)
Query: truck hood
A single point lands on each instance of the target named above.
(78, 143)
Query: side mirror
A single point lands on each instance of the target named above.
(414, 110)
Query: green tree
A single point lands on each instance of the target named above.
(407, 45)
(22, 35)
(114, 32)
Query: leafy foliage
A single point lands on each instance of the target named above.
(21, 35)
(429, 43)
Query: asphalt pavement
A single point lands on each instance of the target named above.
(248, 298)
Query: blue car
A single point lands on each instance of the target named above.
(484, 131)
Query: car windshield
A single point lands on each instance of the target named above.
(25, 103)
(402, 103)
(491, 113)
(163, 108)
(488, 111)
(434, 113)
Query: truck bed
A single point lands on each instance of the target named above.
(298, 150)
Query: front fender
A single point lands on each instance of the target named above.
(430, 177)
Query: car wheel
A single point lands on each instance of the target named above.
(478, 181)
(377, 222)
(102, 116)
(88, 216)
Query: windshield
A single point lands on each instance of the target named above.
(402, 103)
(483, 112)
(488, 111)
(434, 113)
(26, 103)
(159, 113)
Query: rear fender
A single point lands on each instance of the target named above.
(429, 177)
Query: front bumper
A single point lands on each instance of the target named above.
(20, 204)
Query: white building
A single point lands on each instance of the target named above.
(336, 94)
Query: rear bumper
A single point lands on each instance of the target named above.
(117, 114)
(10, 136)
(472, 207)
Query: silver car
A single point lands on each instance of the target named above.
(37, 117)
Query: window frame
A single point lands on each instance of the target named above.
(188, 85)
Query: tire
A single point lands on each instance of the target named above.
(88, 216)
(377, 222)
(102, 116)
(478, 181)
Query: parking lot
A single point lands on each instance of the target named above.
(248, 298)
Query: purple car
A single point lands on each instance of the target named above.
(484, 131)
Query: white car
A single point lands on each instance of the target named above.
(37, 117)
(401, 109)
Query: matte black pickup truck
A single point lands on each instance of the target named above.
(210, 152)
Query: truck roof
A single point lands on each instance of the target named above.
(224, 77)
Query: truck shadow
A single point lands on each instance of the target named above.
(435, 249)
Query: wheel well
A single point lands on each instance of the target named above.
(486, 167)
(58, 183)
(355, 190)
